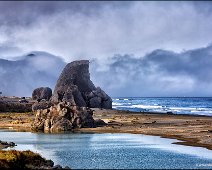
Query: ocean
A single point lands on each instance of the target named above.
(176, 105)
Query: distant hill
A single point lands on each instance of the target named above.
(30, 71)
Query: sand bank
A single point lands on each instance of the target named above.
(191, 129)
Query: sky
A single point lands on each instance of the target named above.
(76, 30)
(107, 32)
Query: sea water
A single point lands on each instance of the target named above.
(111, 151)
(176, 105)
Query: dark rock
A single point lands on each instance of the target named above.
(100, 122)
(99, 99)
(60, 167)
(49, 163)
(7, 144)
(7, 106)
(95, 102)
(41, 105)
(12, 144)
(42, 93)
(57, 167)
(74, 86)
(23, 101)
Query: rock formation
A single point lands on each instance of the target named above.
(69, 106)
(41, 105)
(8, 106)
(74, 86)
(42, 93)
(63, 117)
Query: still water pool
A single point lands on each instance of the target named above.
(111, 151)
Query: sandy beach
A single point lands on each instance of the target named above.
(191, 130)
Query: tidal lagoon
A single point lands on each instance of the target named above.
(110, 150)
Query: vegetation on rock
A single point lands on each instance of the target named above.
(13, 159)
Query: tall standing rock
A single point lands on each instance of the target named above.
(74, 86)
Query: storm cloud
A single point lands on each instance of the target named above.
(119, 38)
(99, 30)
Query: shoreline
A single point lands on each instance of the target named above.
(188, 129)
(191, 130)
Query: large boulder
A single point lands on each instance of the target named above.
(63, 117)
(74, 86)
(42, 93)
(99, 99)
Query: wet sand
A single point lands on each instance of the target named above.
(191, 130)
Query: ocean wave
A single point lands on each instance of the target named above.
(196, 106)
(116, 104)
(146, 106)
(191, 109)
(120, 99)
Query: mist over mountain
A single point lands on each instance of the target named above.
(158, 73)
(20, 76)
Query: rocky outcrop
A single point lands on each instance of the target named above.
(6, 144)
(6, 106)
(41, 105)
(100, 122)
(42, 93)
(99, 99)
(63, 117)
(74, 86)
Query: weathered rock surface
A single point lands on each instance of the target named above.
(99, 99)
(6, 106)
(100, 122)
(42, 93)
(63, 117)
(6, 144)
(41, 105)
(74, 86)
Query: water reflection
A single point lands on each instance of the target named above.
(111, 150)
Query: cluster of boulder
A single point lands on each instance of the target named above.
(63, 117)
(69, 105)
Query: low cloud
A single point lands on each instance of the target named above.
(36, 69)
(159, 73)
